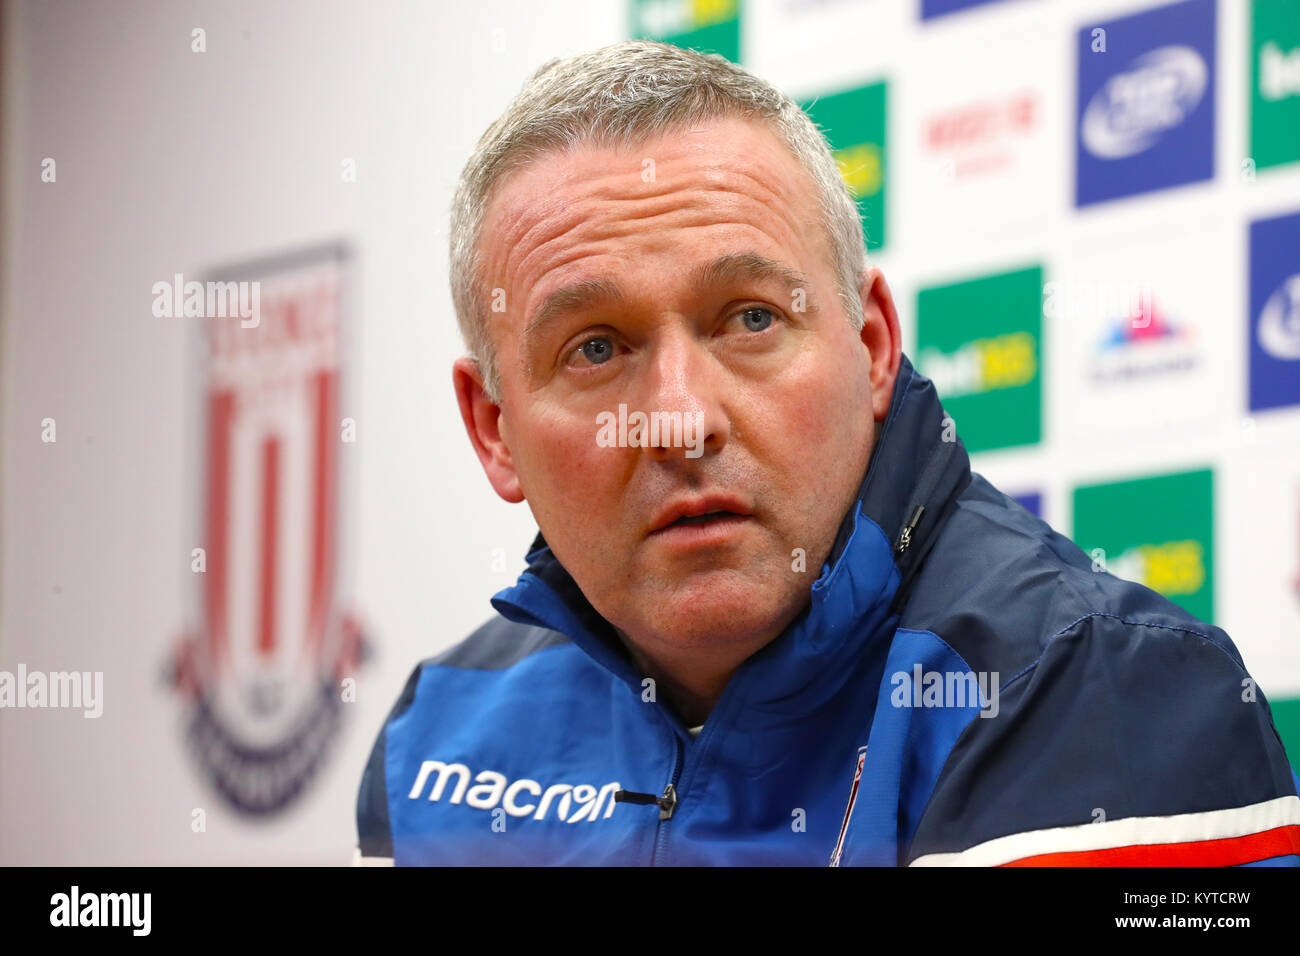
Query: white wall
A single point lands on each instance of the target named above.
(173, 161)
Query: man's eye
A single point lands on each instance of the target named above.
(757, 319)
(596, 351)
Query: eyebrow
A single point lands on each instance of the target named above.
(732, 267)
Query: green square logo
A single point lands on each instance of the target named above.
(1156, 531)
(1275, 82)
(980, 341)
(706, 26)
(854, 124)
(1286, 718)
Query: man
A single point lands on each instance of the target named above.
(771, 616)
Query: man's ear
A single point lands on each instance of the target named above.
(882, 337)
(482, 418)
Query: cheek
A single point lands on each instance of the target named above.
(820, 408)
(818, 426)
(565, 474)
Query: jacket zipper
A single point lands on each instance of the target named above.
(667, 802)
(931, 473)
(669, 805)
(905, 536)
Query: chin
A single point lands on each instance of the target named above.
(716, 619)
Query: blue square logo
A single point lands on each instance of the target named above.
(937, 8)
(1031, 501)
(1145, 115)
(1275, 312)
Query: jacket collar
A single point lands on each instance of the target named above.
(917, 463)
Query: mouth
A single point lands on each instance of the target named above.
(707, 518)
(711, 531)
(700, 511)
(709, 522)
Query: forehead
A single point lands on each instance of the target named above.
(551, 219)
(724, 144)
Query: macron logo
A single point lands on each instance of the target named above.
(522, 798)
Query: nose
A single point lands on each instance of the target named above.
(685, 390)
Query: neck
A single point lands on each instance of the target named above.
(689, 680)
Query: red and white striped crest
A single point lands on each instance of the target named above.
(272, 633)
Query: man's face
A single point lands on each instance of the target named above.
(687, 275)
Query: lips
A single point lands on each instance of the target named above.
(701, 519)
(700, 510)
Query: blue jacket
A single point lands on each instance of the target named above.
(963, 687)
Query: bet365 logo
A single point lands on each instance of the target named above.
(1275, 83)
(980, 341)
(708, 26)
(1157, 531)
(854, 122)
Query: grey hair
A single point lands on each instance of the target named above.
(621, 95)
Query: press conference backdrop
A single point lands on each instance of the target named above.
(241, 539)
